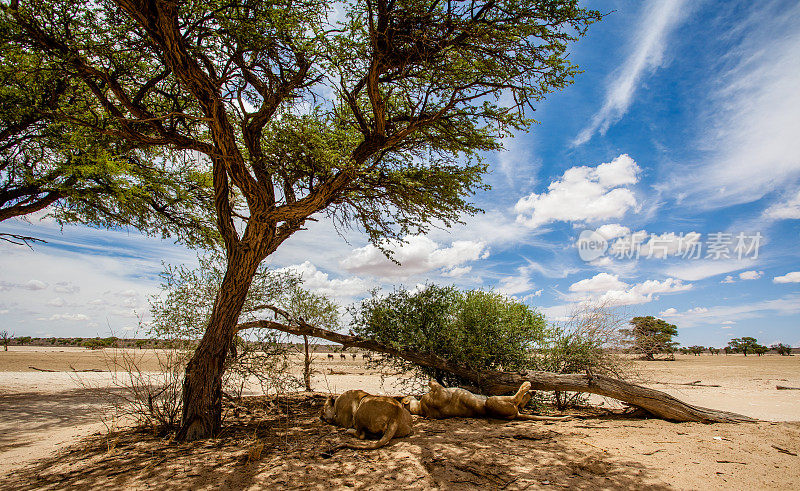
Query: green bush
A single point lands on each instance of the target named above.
(485, 331)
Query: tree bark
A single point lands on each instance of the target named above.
(202, 384)
(493, 382)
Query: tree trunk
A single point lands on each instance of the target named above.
(307, 365)
(202, 384)
(494, 382)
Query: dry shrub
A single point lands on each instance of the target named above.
(591, 340)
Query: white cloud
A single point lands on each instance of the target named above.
(668, 312)
(127, 293)
(793, 277)
(601, 282)
(751, 275)
(34, 285)
(457, 272)
(721, 315)
(647, 54)
(57, 302)
(68, 317)
(66, 287)
(529, 297)
(583, 194)
(644, 292)
(695, 270)
(697, 310)
(320, 282)
(789, 209)
(513, 285)
(727, 323)
(613, 230)
(728, 279)
(609, 289)
(416, 254)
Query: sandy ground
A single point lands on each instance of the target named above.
(45, 418)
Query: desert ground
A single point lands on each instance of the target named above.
(55, 432)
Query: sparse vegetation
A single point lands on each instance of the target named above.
(782, 349)
(5, 338)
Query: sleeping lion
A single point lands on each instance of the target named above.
(455, 402)
(366, 414)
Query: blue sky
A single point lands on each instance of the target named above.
(685, 124)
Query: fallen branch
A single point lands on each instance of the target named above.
(783, 387)
(40, 369)
(495, 382)
(783, 450)
(696, 383)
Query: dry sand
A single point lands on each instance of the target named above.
(45, 418)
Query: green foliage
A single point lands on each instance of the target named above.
(744, 345)
(79, 173)
(650, 336)
(782, 349)
(696, 350)
(485, 331)
(475, 329)
(398, 99)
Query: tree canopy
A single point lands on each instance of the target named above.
(76, 173)
(651, 335)
(746, 344)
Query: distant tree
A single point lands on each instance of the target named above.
(713, 351)
(24, 340)
(683, 350)
(696, 350)
(650, 336)
(743, 345)
(760, 349)
(782, 349)
(318, 311)
(5, 338)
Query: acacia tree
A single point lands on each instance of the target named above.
(782, 349)
(650, 335)
(377, 119)
(746, 344)
(78, 174)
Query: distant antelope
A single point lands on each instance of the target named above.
(366, 356)
(330, 356)
(343, 356)
(354, 356)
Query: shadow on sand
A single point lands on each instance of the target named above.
(283, 445)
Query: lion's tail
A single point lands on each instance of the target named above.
(387, 435)
(534, 417)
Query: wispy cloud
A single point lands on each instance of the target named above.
(786, 305)
(659, 19)
(753, 118)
